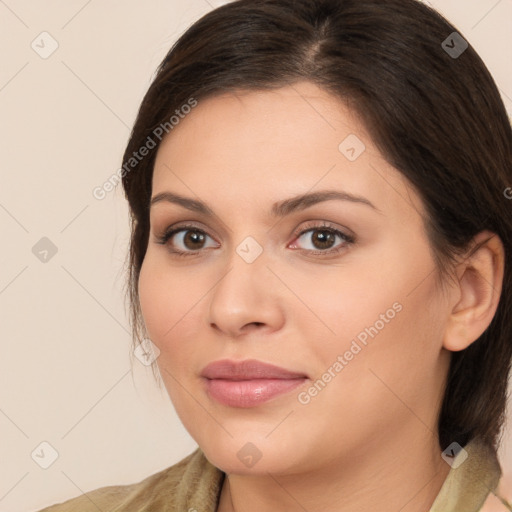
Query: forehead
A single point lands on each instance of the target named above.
(267, 145)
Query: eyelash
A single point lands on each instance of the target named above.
(347, 239)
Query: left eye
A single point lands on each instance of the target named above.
(322, 239)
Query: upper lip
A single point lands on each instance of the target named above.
(247, 370)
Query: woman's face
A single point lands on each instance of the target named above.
(339, 289)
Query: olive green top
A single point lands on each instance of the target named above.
(195, 484)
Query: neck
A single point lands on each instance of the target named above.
(402, 476)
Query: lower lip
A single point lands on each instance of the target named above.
(249, 393)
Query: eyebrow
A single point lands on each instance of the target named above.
(279, 209)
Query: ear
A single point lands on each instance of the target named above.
(478, 291)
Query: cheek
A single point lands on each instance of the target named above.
(169, 301)
(386, 315)
(403, 342)
(342, 302)
(169, 304)
(154, 302)
(170, 311)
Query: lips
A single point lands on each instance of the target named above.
(248, 383)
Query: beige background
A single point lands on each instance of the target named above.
(66, 374)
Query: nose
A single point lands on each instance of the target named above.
(247, 299)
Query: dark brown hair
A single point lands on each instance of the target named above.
(436, 116)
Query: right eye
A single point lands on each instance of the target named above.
(185, 240)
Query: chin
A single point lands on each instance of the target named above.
(251, 454)
(252, 462)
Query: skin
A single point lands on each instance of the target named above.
(368, 440)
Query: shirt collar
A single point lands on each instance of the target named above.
(475, 472)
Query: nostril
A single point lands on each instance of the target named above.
(253, 324)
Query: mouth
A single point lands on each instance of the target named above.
(248, 383)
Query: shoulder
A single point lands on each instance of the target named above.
(191, 479)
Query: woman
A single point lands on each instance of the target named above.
(320, 255)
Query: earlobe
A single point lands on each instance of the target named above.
(480, 278)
